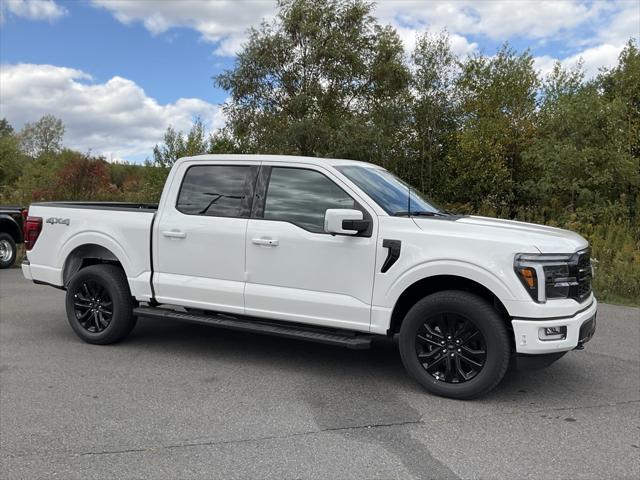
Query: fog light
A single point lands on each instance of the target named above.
(552, 333)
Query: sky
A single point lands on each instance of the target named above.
(119, 72)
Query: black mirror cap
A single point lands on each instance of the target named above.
(357, 225)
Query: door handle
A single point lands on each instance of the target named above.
(267, 242)
(174, 234)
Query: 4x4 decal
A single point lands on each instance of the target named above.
(58, 220)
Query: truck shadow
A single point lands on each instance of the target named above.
(366, 396)
(380, 365)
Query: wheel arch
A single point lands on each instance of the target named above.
(437, 283)
(85, 255)
(10, 226)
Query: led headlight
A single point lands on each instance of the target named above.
(546, 276)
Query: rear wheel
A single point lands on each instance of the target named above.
(455, 344)
(7, 250)
(99, 304)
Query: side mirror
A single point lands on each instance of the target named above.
(338, 221)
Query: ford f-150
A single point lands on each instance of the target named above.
(333, 251)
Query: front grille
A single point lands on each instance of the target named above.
(582, 271)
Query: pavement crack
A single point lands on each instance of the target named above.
(112, 452)
(561, 409)
(367, 426)
(253, 439)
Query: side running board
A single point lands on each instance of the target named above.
(309, 334)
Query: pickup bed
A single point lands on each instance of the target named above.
(325, 250)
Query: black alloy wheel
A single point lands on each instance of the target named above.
(451, 348)
(93, 306)
(455, 344)
(99, 304)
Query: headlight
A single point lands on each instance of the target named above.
(547, 276)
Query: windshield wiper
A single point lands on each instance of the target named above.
(420, 214)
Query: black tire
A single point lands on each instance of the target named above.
(7, 250)
(90, 293)
(467, 311)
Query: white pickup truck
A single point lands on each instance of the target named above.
(333, 251)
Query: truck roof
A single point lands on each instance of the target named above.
(277, 158)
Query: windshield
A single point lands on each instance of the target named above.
(388, 191)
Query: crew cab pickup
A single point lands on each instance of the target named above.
(332, 251)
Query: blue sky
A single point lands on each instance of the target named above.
(168, 66)
(118, 73)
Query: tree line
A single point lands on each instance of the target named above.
(484, 134)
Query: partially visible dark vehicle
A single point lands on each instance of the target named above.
(11, 221)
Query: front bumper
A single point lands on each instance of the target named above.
(526, 332)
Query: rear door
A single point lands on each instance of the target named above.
(296, 271)
(200, 237)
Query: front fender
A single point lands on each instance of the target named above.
(496, 283)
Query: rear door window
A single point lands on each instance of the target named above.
(217, 190)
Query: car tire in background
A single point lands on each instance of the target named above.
(99, 304)
(8, 250)
(455, 344)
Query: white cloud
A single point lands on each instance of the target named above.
(496, 20)
(600, 28)
(624, 24)
(33, 9)
(459, 44)
(115, 118)
(223, 22)
(595, 58)
(544, 64)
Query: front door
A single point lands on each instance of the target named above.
(296, 271)
(200, 238)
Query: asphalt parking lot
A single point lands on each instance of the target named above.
(187, 401)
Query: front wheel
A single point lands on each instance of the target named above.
(99, 304)
(455, 344)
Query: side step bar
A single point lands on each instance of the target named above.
(309, 334)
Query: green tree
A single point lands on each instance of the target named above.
(11, 158)
(498, 112)
(43, 137)
(177, 144)
(6, 128)
(434, 110)
(581, 161)
(621, 86)
(39, 174)
(323, 78)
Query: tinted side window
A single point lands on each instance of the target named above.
(302, 197)
(216, 190)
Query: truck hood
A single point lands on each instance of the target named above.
(545, 239)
